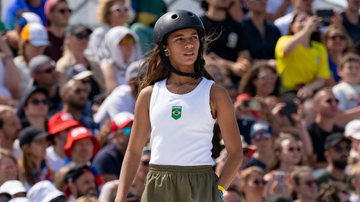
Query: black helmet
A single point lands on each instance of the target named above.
(176, 20)
(171, 22)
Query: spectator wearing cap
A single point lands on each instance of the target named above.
(123, 97)
(59, 125)
(44, 75)
(33, 41)
(14, 189)
(109, 159)
(8, 167)
(76, 41)
(32, 163)
(81, 181)
(261, 138)
(337, 149)
(352, 131)
(121, 47)
(81, 146)
(19, 6)
(33, 109)
(10, 126)
(58, 15)
(75, 98)
(110, 13)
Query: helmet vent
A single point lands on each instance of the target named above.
(174, 16)
(190, 14)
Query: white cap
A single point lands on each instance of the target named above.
(352, 129)
(43, 191)
(36, 34)
(12, 187)
(19, 199)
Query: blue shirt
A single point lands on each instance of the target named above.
(16, 6)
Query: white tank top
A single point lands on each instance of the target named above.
(182, 126)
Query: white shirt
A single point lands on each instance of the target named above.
(54, 160)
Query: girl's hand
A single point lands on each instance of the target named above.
(312, 24)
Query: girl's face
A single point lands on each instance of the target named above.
(291, 152)
(265, 82)
(336, 40)
(37, 105)
(299, 22)
(118, 14)
(183, 48)
(8, 169)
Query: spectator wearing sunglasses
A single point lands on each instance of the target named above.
(303, 184)
(337, 150)
(43, 72)
(110, 13)
(109, 160)
(76, 41)
(74, 95)
(261, 138)
(348, 90)
(58, 15)
(252, 184)
(34, 108)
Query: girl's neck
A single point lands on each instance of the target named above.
(285, 167)
(251, 197)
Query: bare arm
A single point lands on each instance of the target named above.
(345, 116)
(139, 135)
(230, 133)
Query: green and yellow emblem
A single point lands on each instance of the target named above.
(176, 112)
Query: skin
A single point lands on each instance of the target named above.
(118, 18)
(182, 56)
(305, 192)
(82, 151)
(8, 170)
(253, 191)
(350, 72)
(265, 82)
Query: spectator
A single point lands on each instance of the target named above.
(32, 163)
(347, 91)
(261, 138)
(45, 191)
(333, 191)
(301, 61)
(14, 188)
(303, 184)
(74, 95)
(81, 146)
(8, 167)
(76, 41)
(58, 15)
(259, 31)
(81, 181)
(337, 42)
(289, 153)
(337, 149)
(34, 109)
(252, 184)
(109, 159)
(110, 13)
(138, 184)
(45, 76)
(228, 48)
(59, 125)
(121, 47)
(283, 23)
(9, 128)
(16, 7)
(277, 8)
(351, 21)
(123, 97)
(34, 40)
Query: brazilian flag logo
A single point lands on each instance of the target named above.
(176, 112)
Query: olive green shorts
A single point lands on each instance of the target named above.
(180, 184)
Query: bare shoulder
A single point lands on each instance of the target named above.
(218, 91)
(146, 92)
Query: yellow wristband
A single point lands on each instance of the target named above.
(221, 188)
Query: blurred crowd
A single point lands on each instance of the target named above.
(68, 92)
